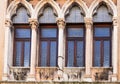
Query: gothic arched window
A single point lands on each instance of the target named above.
(102, 35)
(22, 37)
(75, 38)
(48, 39)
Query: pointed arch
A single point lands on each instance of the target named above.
(42, 4)
(80, 3)
(12, 8)
(109, 4)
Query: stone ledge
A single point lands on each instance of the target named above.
(54, 82)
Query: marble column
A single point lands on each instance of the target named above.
(34, 26)
(115, 49)
(88, 49)
(8, 25)
(61, 26)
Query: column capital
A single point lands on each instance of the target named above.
(88, 21)
(61, 22)
(8, 23)
(115, 21)
(33, 23)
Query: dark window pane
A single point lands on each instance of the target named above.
(70, 53)
(106, 53)
(18, 53)
(43, 53)
(101, 32)
(75, 32)
(97, 53)
(102, 15)
(53, 53)
(48, 16)
(52, 32)
(22, 16)
(22, 33)
(75, 15)
(26, 53)
(80, 53)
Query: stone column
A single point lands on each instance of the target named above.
(115, 49)
(61, 26)
(88, 49)
(34, 26)
(8, 25)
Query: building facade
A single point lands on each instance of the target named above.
(60, 40)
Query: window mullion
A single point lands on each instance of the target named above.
(22, 53)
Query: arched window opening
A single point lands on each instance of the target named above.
(48, 39)
(102, 35)
(75, 38)
(22, 37)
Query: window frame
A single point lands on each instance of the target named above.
(48, 40)
(22, 40)
(102, 39)
(75, 39)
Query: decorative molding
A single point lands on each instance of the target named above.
(48, 73)
(18, 73)
(81, 4)
(88, 22)
(33, 23)
(61, 23)
(115, 21)
(109, 3)
(8, 23)
(12, 8)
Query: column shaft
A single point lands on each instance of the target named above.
(115, 49)
(88, 49)
(6, 52)
(61, 26)
(34, 25)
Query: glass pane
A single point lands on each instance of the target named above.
(70, 53)
(22, 33)
(53, 53)
(102, 15)
(43, 53)
(106, 54)
(75, 15)
(22, 16)
(52, 32)
(80, 54)
(18, 53)
(100, 32)
(97, 53)
(48, 16)
(26, 53)
(75, 32)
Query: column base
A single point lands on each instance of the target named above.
(113, 77)
(59, 75)
(5, 77)
(31, 78)
(87, 78)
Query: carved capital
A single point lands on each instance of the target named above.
(115, 21)
(61, 23)
(8, 23)
(88, 22)
(33, 23)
